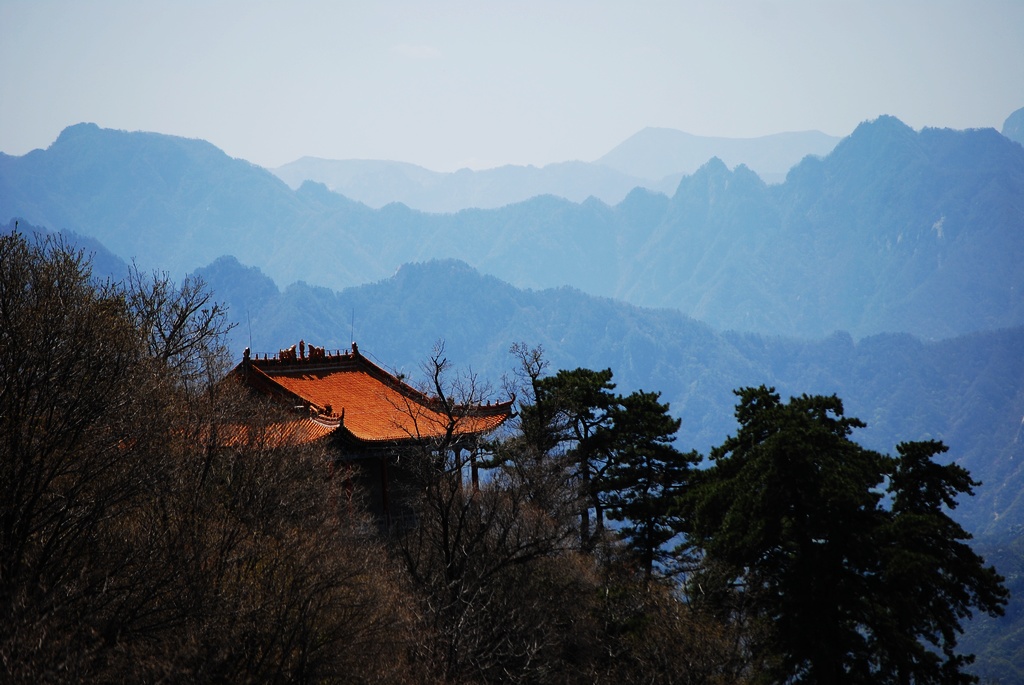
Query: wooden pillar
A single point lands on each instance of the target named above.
(474, 469)
(457, 466)
(385, 504)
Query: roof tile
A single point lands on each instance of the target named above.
(370, 403)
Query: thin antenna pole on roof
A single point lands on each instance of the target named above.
(249, 324)
(352, 330)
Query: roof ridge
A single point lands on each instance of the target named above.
(310, 383)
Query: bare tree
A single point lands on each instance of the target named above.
(80, 411)
(486, 564)
(287, 585)
(136, 547)
(182, 324)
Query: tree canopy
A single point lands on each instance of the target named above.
(841, 584)
(646, 476)
(131, 548)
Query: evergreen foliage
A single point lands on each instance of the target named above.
(844, 589)
(933, 580)
(646, 477)
(576, 410)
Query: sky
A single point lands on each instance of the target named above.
(448, 84)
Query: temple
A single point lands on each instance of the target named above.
(369, 418)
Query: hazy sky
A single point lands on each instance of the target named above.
(449, 84)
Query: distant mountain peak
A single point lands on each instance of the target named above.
(76, 130)
(656, 153)
(432, 270)
(886, 123)
(1013, 127)
(110, 141)
(714, 165)
(872, 140)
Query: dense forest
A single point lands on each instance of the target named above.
(137, 547)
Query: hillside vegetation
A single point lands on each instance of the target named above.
(967, 391)
(140, 542)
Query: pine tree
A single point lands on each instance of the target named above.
(646, 476)
(839, 589)
(572, 409)
(931, 577)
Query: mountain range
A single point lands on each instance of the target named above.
(894, 230)
(654, 158)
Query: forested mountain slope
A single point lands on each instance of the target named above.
(967, 391)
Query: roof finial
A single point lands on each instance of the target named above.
(355, 348)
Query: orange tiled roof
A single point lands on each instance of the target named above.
(369, 403)
(300, 431)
